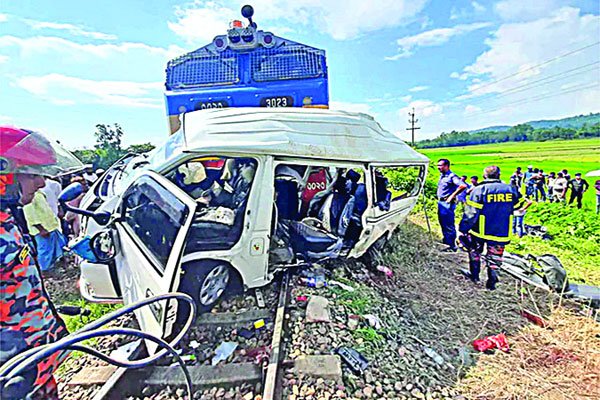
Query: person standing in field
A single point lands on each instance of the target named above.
(578, 187)
(517, 177)
(540, 182)
(560, 188)
(449, 186)
(529, 183)
(486, 224)
(462, 196)
(520, 209)
(597, 187)
(551, 179)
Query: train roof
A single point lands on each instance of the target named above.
(295, 132)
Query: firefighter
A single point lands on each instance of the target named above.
(27, 316)
(486, 223)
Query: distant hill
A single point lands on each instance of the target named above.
(578, 127)
(570, 122)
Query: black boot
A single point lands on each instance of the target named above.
(492, 279)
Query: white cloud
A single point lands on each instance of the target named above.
(519, 48)
(406, 98)
(426, 22)
(67, 90)
(525, 10)
(199, 21)
(462, 77)
(418, 88)
(352, 107)
(454, 14)
(75, 30)
(434, 37)
(471, 109)
(3, 17)
(3, 59)
(423, 108)
(36, 45)
(477, 7)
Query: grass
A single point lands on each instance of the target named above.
(581, 155)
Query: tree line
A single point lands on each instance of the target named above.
(517, 133)
(108, 147)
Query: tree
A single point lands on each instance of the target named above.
(140, 148)
(108, 144)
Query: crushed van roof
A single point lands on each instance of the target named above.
(296, 132)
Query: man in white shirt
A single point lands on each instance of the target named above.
(52, 191)
(560, 188)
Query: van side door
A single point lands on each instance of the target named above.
(155, 217)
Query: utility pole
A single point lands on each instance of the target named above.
(413, 128)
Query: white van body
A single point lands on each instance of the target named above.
(166, 258)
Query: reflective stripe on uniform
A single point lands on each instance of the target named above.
(481, 234)
(474, 204)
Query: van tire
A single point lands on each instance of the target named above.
(209, 281)
(373, 253)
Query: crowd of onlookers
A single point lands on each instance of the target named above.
(48, 223)
(536, 185)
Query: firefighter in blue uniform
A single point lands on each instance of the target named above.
(486, 223)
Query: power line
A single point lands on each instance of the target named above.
(535, 66)
(536, 98)
(412, 121)
(530, 85)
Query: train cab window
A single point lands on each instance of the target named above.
(396, 183)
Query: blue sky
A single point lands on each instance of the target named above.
(68, 65)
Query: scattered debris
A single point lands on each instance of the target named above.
(260, 299)
(439, 360)
(387, 271)
(356, 361)
(534, 318)
(223, 352)
(353, 321)
(373, 320)
(317, 310)
(246, 333)
(259, 324)
(492, 342)
(317, 281)
(347, 288)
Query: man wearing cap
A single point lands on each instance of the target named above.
(578, 187)
(486, 224)
(27, 316)
(449, 187)
(89, 175)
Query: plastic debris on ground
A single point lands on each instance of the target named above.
(222, 352)
(374, 321)
(317, 281)
(353, 321)
(356, 361)
(259, 354)
(492, 342)
(194, 344)
(386, 270)
(434, 355)
(246, 333)
(259, 324)
(536, 319)
(123, 352)
(347, 288)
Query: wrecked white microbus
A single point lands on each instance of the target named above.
(238, 194)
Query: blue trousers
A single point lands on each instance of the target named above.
(518, 225)
(446, 218)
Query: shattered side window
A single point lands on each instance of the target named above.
(155, 216)
(396, 183)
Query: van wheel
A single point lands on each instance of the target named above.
(208, 282)
(373, 254)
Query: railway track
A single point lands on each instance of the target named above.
(261, 373)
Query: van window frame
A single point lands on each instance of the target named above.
(422, 177)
